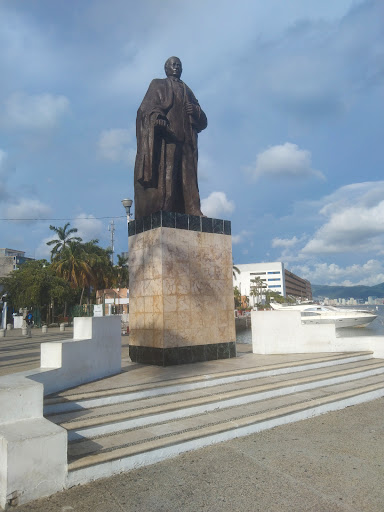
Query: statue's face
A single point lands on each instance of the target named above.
(173, 67)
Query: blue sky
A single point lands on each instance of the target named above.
(294, 95)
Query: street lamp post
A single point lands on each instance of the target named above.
(127, 203)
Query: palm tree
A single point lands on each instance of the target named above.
(235, 270)
(122, 261)
(72, 263)
(99, 260)
(258, 289)
(63, 239)
(122, 272)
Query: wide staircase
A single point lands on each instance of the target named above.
(115, 430)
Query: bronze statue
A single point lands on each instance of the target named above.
(168, 121)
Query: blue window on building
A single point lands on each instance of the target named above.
(273, 272)
(274, 279)
(275, 286)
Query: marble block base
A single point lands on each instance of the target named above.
(181, 291)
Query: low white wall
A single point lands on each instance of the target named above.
(281, 332)
(93, 353)
(33, 451)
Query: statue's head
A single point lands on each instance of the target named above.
(173, 67)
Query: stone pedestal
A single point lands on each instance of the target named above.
(181, 291)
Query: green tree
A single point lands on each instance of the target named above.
(258, 289)
(235, 270)
(122, 272)
(36, 285)
(86, 266)
(63, 238)
(272, 296)
(99, 260)
(237, 297)
(72, 264)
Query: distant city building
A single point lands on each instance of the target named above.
(372, 301)
(297, 286)
(11, 259)
(273, 277)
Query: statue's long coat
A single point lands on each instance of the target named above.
(166, 161)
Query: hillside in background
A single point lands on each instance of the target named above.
(346, 292)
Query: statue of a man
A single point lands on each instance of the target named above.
(167, 124)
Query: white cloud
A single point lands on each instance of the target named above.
(3, 156)
(354, 221)
(241, 237)
(369, 273)
(344, 226)
(117, 145)
(284, 160)
(207, 167)
(27, 210)
(88, 227)
(217, 205)
(43, 251)
(34, 111)
(3, 174)
(31, 53)
(285, 242)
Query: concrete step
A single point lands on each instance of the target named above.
(118, 429)
(107, 455)
(131, 436)
(107, 419)
(72, 401)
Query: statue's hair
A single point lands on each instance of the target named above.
(166, 62)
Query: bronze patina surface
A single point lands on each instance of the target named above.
(167, 125)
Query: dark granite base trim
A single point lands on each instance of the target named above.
(182, 355)
(179, 221)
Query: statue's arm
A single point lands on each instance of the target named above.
(156, 99)
(193, 109)
(202, 121)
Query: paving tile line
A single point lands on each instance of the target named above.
(209, 394)
(170, 428)
(333, 359)
(111, 424)
(214, 394)
(72, 404)
(235, 419)
(124, 459)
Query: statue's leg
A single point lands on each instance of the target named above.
(189, 180)
(150, 199)
(172, 172)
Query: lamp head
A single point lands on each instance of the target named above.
(127, 203)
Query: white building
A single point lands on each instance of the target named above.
(274, 277)
(10, 259)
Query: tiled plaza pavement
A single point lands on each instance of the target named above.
(19, 353)
(330, 463)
